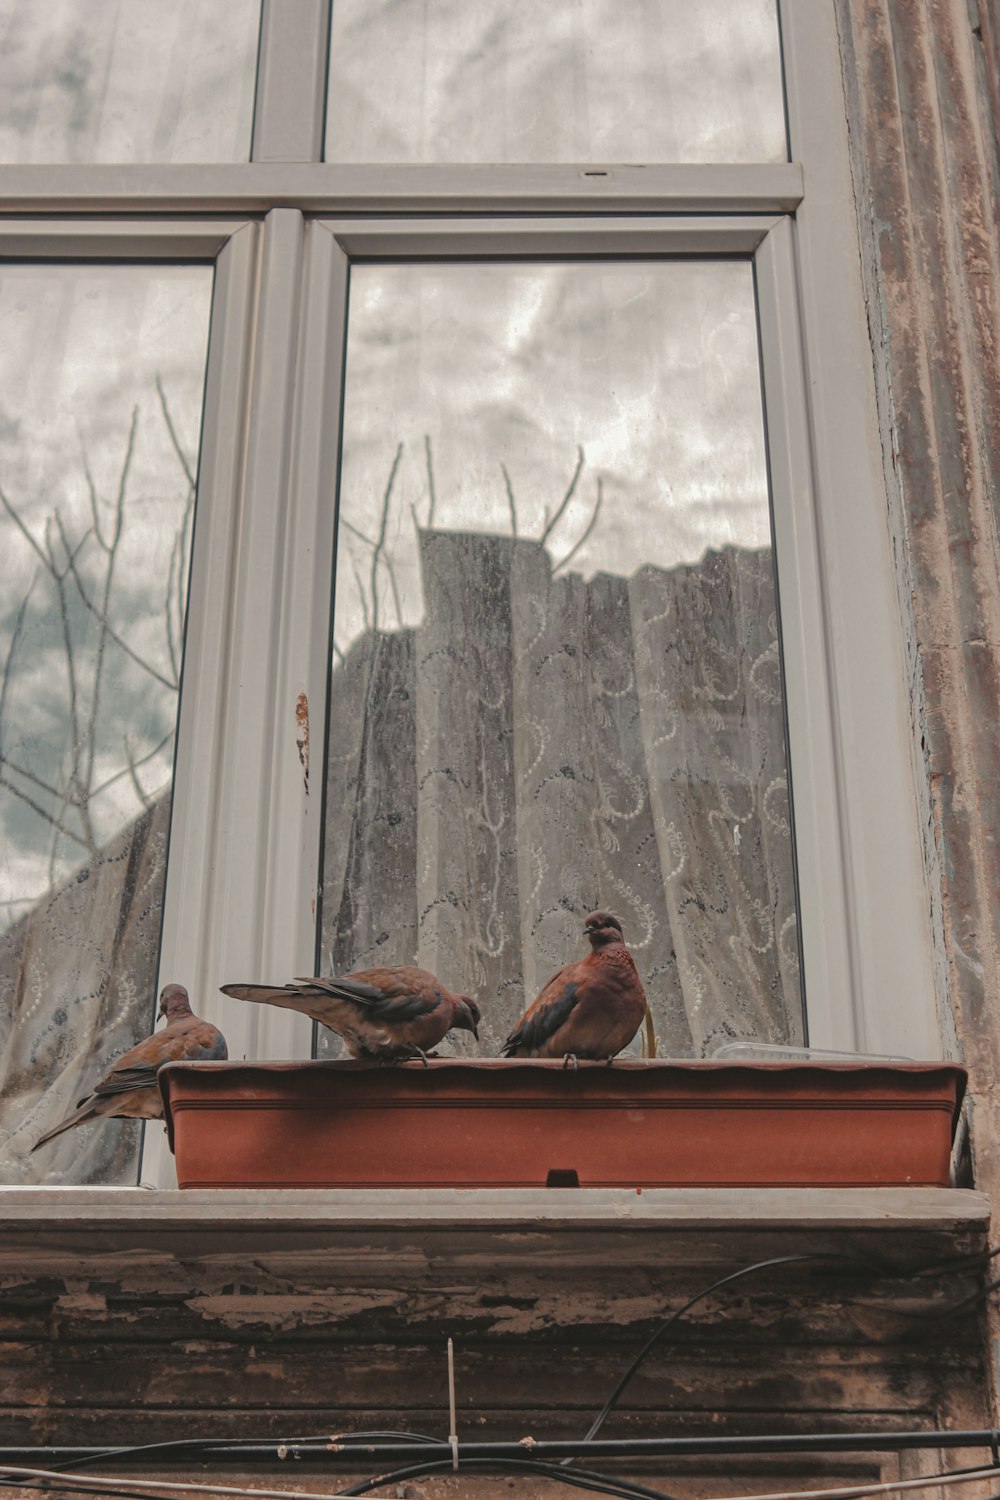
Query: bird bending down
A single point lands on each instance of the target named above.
(591, 1008)
(130, 1089)
(384, 1015)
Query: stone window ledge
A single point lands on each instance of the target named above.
(654, 1226)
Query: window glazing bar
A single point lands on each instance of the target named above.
(318, 188)
(291, 81)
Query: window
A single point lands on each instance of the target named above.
(290, 236)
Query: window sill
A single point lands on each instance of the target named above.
(908, 1222)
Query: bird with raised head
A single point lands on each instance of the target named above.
(130, 1090)
(383, 1015)
(591, 1008)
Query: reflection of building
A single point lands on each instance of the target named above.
(134, 1316)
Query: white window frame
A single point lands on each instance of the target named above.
(282, 229)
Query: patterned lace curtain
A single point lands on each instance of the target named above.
(543, 744)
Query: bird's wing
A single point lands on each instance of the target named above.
(367, 1008)
(386, 996)
(123, 1080)
(543, 1019)
(187, 1040)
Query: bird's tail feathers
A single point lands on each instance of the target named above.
(261, 993)
(86, 1111)
(289, 997)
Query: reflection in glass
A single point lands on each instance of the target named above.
(136, 80)
(101, 372)
(556, 680)
(577, 81)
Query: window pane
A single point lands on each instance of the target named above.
(581, 80)
(556, 681)
(101, 372)
(127, 80)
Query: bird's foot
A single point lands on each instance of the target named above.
(423, 1056)
(609, 1060)
(569, 1061)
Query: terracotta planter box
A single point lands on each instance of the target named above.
(533, 1124)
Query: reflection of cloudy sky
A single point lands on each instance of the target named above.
(127, 80)
(80, 349)
(650, 367)
(584, 80)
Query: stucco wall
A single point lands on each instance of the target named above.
(921, 79)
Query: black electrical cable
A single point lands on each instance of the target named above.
(657, 1334)
(965, 1305)
(549, 1450)
(975, 1257)
(847, 1260)
(208, 1447)
(583, 1479)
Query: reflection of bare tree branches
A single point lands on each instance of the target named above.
(167, 682)
(110, 549)
(430, 481)
(133, 771)
(8, 666)
(510, 500)
(80, 568)
(174, 439)
(380, 544)
(585, 534)
(134, 762)
(368, 590)
(561, 509)
(44, 812)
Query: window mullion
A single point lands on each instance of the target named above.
(236, 936)
(190, 895)
(291, 81)
(301, 691)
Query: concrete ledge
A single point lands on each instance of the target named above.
(954, 1210)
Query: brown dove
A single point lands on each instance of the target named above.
(384, 1015)
(130, 1088)
(591, 1008)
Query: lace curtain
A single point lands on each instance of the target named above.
(543, 744)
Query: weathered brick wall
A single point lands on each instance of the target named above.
(923, 86)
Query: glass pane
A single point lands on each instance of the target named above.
(577, 81)
(101, 372)
(556, 681)
(127, 80)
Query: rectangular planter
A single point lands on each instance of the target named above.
(495, 1123)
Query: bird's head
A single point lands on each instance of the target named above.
(601, 927)
(174, 1002)
(467, 1015)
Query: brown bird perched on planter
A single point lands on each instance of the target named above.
(384, 1015)
(592, 1008)
(130, 1089)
